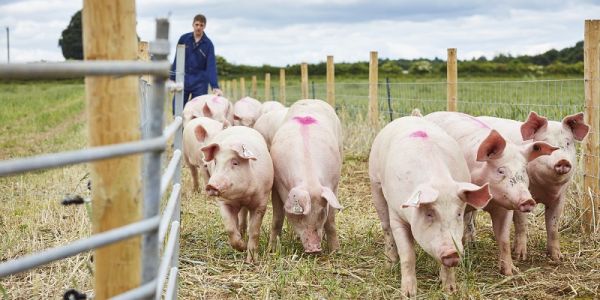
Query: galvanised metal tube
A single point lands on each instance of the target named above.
(168, 212)
(95, 241)
(151, 189)
(172, 284)
(144, 291)
(171, 168)
(173, 127)
(73, 69)
(165, 262)
(53, 160)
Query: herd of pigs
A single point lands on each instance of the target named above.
(429, 175)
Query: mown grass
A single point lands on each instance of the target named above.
(33, 220)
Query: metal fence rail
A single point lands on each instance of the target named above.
(154, 141)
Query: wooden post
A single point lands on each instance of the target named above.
(113, 117)
(222, 85)
(234, 87)
(243, 87)
(304, 80)
(254, 92)
(373, 90)
(330, 81)
(591, 150)
(144, 55)
(229, 93)
(268, 87)
(282, 86)
(451, 80)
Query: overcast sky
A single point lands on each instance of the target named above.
(289, 32)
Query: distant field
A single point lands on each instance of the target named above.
(50, 116)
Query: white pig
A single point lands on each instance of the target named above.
(268, 124)
(549, 175)
(420, 184)
(268, 106)
(491, 158)
(211, 106)
(197, 132)
(307, 157)
(242, 177)
(246, 111)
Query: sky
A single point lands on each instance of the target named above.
(281, 33)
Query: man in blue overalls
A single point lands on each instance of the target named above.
(200, 63)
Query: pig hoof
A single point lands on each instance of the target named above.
(450, 288)
(239, 246)
(508, 270)
(555, 255)
(520, 252)
(410, 290)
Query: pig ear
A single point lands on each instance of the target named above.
(424, 194)
(474, 195)
(226, 124)
(236, 117)
(297, 202)
(210, 151)
(533, 124)
(206, 111)
(577, 125)
(243, 152)
(328, 195)
(200, 133)
(537, 149)
(492, 147)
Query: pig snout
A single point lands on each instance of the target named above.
(311, 242)
(527, 205)
(312, 249)
(212, 190)
(450, 258)
(562, 167)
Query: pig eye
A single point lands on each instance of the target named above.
(234, 162)
(502, 171)
(429, 214)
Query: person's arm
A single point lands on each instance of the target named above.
(211, 68)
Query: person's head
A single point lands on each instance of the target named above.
(199, 24)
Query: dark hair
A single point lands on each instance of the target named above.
(200, 18)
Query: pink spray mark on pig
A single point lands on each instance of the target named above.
(308, 120)
(479, 122)
(419, 134)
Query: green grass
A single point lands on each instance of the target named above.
(47, 117)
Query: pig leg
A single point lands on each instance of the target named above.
(256, 216)
(332, 239)
(391, 252)
(243, 220)
(501, 220)
(552, 214)
(469, 233)
(278, 217)
(406, 251)
(230, 220)
(194, 172)
(448, 279)
(520, 248)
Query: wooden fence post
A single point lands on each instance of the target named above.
(591, 149)
(282, 86)
(304, 80)
(113, 117)
(254, 91)
(451, 80)
(268, 87)
(243, 88)
(234, 88)
(330, 81)
(373, 90)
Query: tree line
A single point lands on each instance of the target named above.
(568, 61)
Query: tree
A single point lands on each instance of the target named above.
(71, 41)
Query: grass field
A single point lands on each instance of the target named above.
(50, 116)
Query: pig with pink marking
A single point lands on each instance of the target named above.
(421, 185)
(246, 111)
(491, 158)
(242, 178)
(549, 175)
(211, 106)
(307, 157)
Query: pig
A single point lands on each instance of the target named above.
(246, 111)
(307, 156)
(211, 106)
(549, 176)
(421, 195)
(197, 132)
(268, 106)
(491, 158)
(242, 178)
(268, 124)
